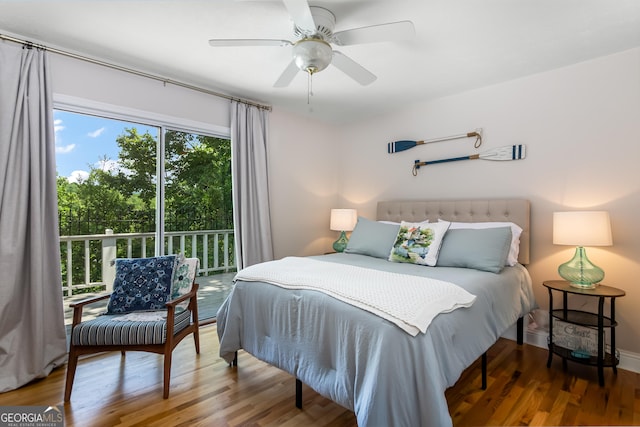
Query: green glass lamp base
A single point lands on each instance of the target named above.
(341, 244)
(580, 272)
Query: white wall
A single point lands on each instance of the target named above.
(303, 179)
(580, 126)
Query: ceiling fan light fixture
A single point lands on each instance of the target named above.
(312, 55)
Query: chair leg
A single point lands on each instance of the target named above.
(72, 363)
(484, 371)
(167, 374)
(196, 339)
(298, 394)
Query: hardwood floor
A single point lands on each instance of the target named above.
(522, 391)
(205, 391)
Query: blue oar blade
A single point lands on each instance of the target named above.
(396, 146)
(519, 152)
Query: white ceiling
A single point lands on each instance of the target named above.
(459, 44)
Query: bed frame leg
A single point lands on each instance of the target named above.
(298, 394)
(520, 327)
(519, 340)
(234, 362)
(484, 370)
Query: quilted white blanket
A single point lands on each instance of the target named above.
(410, 302)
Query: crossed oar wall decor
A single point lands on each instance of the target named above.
(509, 152)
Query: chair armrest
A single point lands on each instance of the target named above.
(78, 306)
(89, 300)
(171, 306)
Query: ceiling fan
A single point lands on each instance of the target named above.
(312, 52)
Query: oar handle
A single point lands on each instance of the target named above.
(451, 159)
(417, 164)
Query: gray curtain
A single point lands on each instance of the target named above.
(32, 332)
(251, 213)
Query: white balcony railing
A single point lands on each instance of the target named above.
(212, 247)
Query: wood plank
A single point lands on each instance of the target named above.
(205, 391)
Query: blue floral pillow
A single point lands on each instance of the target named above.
(141, 284)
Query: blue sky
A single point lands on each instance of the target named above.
(83, 140)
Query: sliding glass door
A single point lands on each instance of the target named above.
(129, 189)
(198, 210)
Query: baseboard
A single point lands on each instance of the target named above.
(628, 360)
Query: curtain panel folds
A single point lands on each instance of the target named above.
(32, 332)
(251, 213)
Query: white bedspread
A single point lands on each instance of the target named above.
(412, 303)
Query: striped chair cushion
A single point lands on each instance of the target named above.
(103, 330)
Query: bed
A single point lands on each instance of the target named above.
(365, 362)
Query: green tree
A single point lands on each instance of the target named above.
(198, 177)
(137, 160)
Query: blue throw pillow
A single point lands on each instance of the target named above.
(141, 284)
(372, 238)
(482, 249)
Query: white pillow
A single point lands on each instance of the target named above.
(418, 242)
(397, 223)
(516, 231)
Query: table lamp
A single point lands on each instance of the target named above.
(342, 220)
(580, 229)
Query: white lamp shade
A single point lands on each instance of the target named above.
(343, 219)
(582, 228)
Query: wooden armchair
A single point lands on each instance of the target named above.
(146, 331)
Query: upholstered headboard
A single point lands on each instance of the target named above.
(474, 210)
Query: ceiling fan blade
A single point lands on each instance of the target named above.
(351, 68)
(248, 42)
(301, 15)
(393, 31)
(287, 75)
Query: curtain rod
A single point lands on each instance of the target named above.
(131, 71)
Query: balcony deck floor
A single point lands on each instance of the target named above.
(211, 294)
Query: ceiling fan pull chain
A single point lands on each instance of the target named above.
(309, 87)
